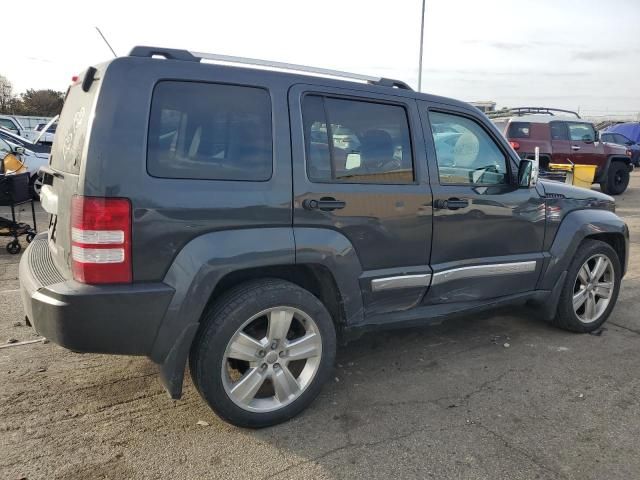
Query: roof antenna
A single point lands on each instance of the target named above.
(105, 41)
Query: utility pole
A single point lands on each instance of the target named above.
(421, 47)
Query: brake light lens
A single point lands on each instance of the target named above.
(515, 145)
(101, 239)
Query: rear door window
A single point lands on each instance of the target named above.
(210, 131)
(559, 131)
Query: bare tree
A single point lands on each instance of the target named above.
(6, 94)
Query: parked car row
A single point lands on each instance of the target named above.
(12, 124)
(563, 137)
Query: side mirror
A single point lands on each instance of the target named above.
(527, 173)
(18, 150)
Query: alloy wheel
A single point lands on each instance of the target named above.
(593, 288)
(271, 359)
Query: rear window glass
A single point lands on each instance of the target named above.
(73, 129)
(210, 131)
(519, 130)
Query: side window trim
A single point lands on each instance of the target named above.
(507, 157)
(565, 130)
(326, 94)
(153, 167)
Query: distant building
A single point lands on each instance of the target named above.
(485, 106)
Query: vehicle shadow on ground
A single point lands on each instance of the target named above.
(393, 387)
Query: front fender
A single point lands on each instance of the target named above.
(575, 227)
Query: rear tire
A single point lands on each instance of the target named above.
(617, 178)
(247, 361)
(35, 186)
(585, 284)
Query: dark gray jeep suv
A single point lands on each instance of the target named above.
(207, 213)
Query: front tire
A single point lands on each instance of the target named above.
(617, 178)
(263, 352)
(591, 289)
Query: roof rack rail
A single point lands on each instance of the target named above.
(185, 55)
(520, 111)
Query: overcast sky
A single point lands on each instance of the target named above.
(578, 54)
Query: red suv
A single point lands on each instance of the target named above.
(563, 137)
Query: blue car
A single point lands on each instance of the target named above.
(610, 136)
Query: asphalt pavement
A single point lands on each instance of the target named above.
(496, 396)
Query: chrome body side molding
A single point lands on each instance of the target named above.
(401, 281)
(483, 271)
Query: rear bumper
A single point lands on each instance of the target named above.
(121, 319)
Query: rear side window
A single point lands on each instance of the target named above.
(356, 141)
(210, 131)
(519, 130)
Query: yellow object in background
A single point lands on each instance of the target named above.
(12, 164)
(583, 175)
(577, 175)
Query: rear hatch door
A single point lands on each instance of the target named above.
(63, 175)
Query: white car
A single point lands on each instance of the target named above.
(45, 136)
(12, 124)
(33, 155)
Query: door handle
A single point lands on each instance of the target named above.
(450, 204)
(575, 147)
(326, 204)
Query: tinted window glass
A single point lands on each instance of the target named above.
(8, 124)
(466, 154)
(361, 142)
(519, 130)
(210, 131)
(581, 132)
(559, 131)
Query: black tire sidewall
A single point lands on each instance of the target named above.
(32, 188)
(622, 169)
(567, 316)
(221, 322)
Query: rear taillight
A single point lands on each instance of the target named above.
(515, 145)
(101, 239)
